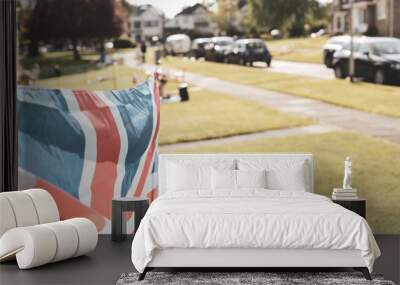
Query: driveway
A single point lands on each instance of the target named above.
(302, 68)
(315, 70)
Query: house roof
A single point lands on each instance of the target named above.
(190, 10)
(143, 8)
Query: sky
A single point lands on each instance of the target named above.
(172, 7)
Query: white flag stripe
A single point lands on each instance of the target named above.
(124, 143)
(90, 154)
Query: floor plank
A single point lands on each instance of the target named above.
(110, 260)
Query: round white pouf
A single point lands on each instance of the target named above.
(32, 246)
(7, 218)
(67, 240)
(46, 207)
(23, 208)
(87, 234)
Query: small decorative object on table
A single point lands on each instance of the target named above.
(137, 205)
(347, 196)
(347, 192)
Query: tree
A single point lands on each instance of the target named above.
(130, 9)
(76, 20)
(288, 15)
(225, 17)
(230, 19)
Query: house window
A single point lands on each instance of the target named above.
(359, 16)
(339, 23)
(150, 24)
(362, 16)
(381, 10)
(201, 24)
(137, 24)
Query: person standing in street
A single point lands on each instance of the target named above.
(143, 50)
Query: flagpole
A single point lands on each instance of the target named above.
(351, 61)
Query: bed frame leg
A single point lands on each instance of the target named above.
(143, 274)
(365, 272)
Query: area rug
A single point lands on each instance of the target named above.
(244, 278)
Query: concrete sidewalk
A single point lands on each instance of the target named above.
(313, 129)
(327, 114)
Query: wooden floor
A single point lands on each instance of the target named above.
(110, 260)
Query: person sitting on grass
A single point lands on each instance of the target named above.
(167, 98)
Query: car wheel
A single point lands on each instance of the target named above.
(379, 76)
(328, 62)
(339, 72)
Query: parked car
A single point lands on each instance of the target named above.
(376, 59)
(248, 51)
(199, 47)
(333, 44)
(178, 44)
(215, 50)
(123, 43)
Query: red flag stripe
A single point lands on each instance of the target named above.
(108, 145)
(70, 207)
(152, 194)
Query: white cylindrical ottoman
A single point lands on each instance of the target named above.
(40, 244)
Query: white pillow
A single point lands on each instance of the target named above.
(181, 177)
(251, 178)
(223, 179)
(281, 174)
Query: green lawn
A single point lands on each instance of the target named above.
(363, 96)
(298, 49)
(206, 115)
(376, 168)
(66, 62)
(213, 115)
(111, 77)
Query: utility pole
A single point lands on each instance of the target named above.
(351, 61)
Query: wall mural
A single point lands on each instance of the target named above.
(87, 147)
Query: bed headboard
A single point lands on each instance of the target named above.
(164, 158)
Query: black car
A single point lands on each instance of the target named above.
(199, 47)
(248, 51)
(215, 50)
(333, 44)
(376, 59)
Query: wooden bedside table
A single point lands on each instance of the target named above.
(358, 206)
(136, 205)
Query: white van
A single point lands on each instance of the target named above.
(178, 44)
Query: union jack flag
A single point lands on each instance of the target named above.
(87, 147)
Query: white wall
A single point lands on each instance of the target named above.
(147, 28)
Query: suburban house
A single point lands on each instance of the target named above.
(193, 20)
(375, 17)
(147, 22)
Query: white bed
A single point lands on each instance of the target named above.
(248, 226)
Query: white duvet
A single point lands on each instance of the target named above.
(250, 219)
